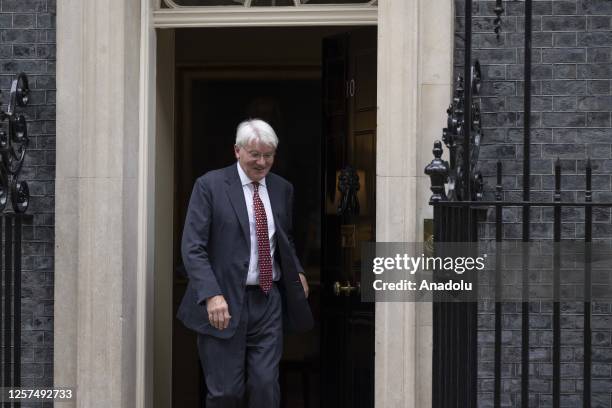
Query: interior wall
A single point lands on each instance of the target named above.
(296, 45)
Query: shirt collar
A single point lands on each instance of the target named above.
(245, 180)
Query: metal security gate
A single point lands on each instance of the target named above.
(457, 211)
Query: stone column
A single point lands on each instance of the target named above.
(414, 88)
(96, 200)
(436, 41)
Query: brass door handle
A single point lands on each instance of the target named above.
(345, 290)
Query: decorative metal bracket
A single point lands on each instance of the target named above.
(453, 136)
(13, 147)
(348, 184)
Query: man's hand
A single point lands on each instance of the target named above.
(304, 284)
(218, 312)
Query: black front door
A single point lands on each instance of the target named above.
(348, 217)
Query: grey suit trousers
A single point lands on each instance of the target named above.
(245, 366)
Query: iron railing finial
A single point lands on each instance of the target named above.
(437, 171)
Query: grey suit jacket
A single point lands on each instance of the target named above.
(216, 251)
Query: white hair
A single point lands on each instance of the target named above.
(255, 129)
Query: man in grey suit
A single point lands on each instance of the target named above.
(245, 281)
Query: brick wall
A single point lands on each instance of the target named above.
(27, 44)
(571, 105)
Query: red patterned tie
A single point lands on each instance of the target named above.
(263, 242)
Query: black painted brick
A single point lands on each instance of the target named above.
(599, 55)
(599, 23)
(538, 103)
(595, 39)
(537, 72)
(564, 39)
(594, 7)
(22, 6)
(491, 72)
(565, 55)
(564, 103)
(45, 20)
(564, 71)
(598, 119)
(499, 88)
(24, 51)
(594, 135)
(539, 39)
(564, 88)
(566, 119)
(572, 98)
(595, 103)
(564, 23)
(564, 7)
(598, 87)
(24, 20)
(595, 71)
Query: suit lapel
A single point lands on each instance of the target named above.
(276, 200)
(236, 197)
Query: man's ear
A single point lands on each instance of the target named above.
(237, 151)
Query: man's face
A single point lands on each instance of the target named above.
(256, 159)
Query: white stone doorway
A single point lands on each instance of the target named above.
(109, 199)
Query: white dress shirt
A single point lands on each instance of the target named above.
(249, 190)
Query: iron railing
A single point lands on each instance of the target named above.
(10, 306)
(13, 147)
(458, 206)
